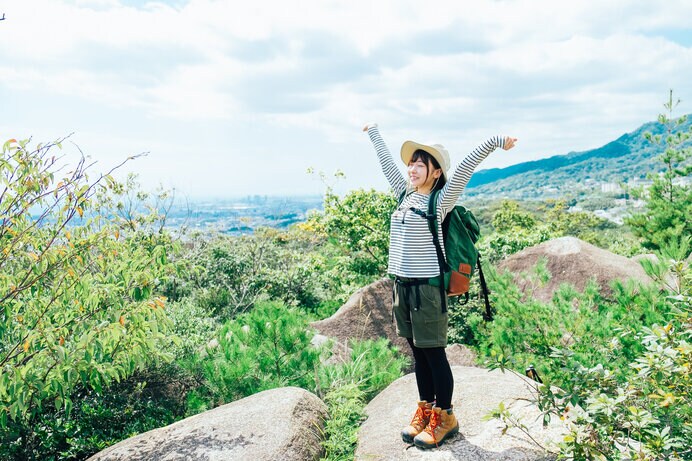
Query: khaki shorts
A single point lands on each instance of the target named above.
(426, 324)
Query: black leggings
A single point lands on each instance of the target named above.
(433, 375)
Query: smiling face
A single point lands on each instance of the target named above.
(423, 171)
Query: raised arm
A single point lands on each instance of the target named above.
(462, 174)
(391, 172)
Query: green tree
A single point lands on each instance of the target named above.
(359, 223)
(265, 348)
(669, 206)
(78, 302)
(509, 217)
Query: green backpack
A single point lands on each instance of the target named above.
(460, 231)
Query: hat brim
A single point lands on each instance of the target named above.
(409, 147)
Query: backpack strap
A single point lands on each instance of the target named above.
(402, 196)
(488, 314)
(432, 225)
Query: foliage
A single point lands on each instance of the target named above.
(516, 229)
(147, 400)
(345, 404)
(643, 418)
(77, 292)
(373, 366)
(346, 388)
(191, 328)
(631, 404)
(510, 217)
(525, 331)
(227, 275)
(498, 246)
(224, 279)
(620, 241)
(270, 347)
(265, 348)
(669, 205)
(359, 223)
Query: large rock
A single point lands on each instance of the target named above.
(278, 424)
(477, 391)
(366, 315)
(573, 261)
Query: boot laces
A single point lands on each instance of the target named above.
(432, 425)
(420, 417)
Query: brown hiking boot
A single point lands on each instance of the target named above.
(418, 422)
(443, 425)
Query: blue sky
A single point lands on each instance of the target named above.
(233, 98)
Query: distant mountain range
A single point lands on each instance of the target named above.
(628, 159)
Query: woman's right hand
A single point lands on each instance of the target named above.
(368, 125)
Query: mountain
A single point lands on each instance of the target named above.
(627, 159)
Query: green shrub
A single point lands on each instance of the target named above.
(372, 367)
(645, 417)
(263, 349)
(359, 224)
(347, 387)
(526, 331)
(191, 327)
(78, 284)
(145, 401)
(633, 402)
(499, 245)
(227, 275)
(345, 404)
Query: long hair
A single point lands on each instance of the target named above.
(429, 160)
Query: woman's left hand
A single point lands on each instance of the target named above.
(509, 143)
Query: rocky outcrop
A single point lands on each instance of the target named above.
(278, 424)
(573, 261)
(366, 315)
(477, 391)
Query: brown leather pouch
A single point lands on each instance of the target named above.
(459, 281)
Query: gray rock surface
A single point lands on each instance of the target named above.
(458, 354)
(366, 315)
(477, 391)
(573, 261)
(279, 424)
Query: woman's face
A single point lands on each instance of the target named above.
(421, 176)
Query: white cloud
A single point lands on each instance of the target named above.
(560, 76)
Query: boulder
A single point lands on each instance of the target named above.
(458, 354)
(573, 261)
(477, 391)
(278, 424)
(366, 315)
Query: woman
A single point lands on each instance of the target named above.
(418, 307)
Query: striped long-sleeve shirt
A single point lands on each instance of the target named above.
(411, 249)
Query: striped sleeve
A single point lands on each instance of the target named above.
(462, 174)
(394, 176)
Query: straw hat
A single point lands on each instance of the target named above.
(436, 150)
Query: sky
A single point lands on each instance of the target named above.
(231, 98)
